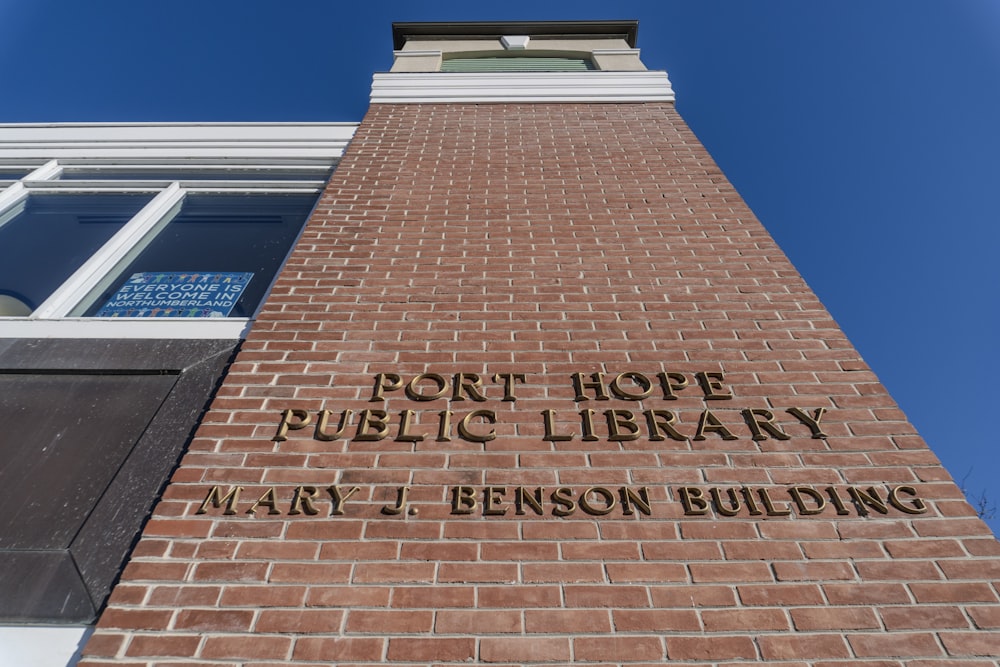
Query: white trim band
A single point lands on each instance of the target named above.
(433, 53)
(616, 52)
(168, 328)
(441, 87)
(216, 142)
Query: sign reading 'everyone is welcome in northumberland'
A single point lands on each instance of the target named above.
(177, 294)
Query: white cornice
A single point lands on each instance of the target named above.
(431, 87)
(307, 142)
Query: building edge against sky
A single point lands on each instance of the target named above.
(505, 173)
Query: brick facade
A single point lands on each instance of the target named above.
(548, 240)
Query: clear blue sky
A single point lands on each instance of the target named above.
(864, 134)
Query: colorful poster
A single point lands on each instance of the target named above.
(181, 294)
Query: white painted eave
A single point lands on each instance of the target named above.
(457, 87)
(287, 142)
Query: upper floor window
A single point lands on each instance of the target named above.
(45, 238)
(78, 240)
(517, 64)
(213, 246)
(152, 230)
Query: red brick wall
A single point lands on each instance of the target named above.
(548, 240)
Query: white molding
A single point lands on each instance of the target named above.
(16, 192)
(616, 52)
(10, 196)
(159, 328)
(227, 187)
(515, 42)
(218, 142)
(43, 646)
(417, 54)
(47, 172)
(443, 87)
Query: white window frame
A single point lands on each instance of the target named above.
(53, 317)
(239, 149)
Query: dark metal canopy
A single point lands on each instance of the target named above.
(626, 30)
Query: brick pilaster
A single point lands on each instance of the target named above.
(548, 240)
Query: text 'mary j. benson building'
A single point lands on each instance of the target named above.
(506, 373)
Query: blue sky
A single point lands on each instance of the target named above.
(864, 134)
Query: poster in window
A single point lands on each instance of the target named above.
(177, 294)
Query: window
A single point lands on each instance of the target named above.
(210, 236)
(73, 235)
(44, 238)
(517, 64)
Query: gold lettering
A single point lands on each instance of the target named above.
(437, 380)
(548, 417)
(865, 499)
(215, 498)
(291, 420)
(760, 420)
(711, 385)
(596, 383)
(916, 506)
(769, 504)
(372, 426)
(811, 422)
(444, 426)
(734, 502)
(609, 501)
(563, 498)
(405, 423)
(618, 420)
(471, 383)
(797, 493)
(321, 432)
(640, 499)
(522, 497)
(709, 422)
(658, 428)
(837, 501)
(463, 500)
(385, 382)
(751, 503)
(587, 424)
(636, 379)
(268, 500)
(508, 384)
(671, 382)
(339, 498)
(400, 505)
(302, 501)
(492, 499)
(693, 500)
(487, 416)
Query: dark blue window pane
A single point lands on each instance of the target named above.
(221, 234)
(48, 237)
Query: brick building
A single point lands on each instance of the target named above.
(533, 386)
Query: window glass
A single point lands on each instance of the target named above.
(517, 64)
(213, 235)
(47, 237)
